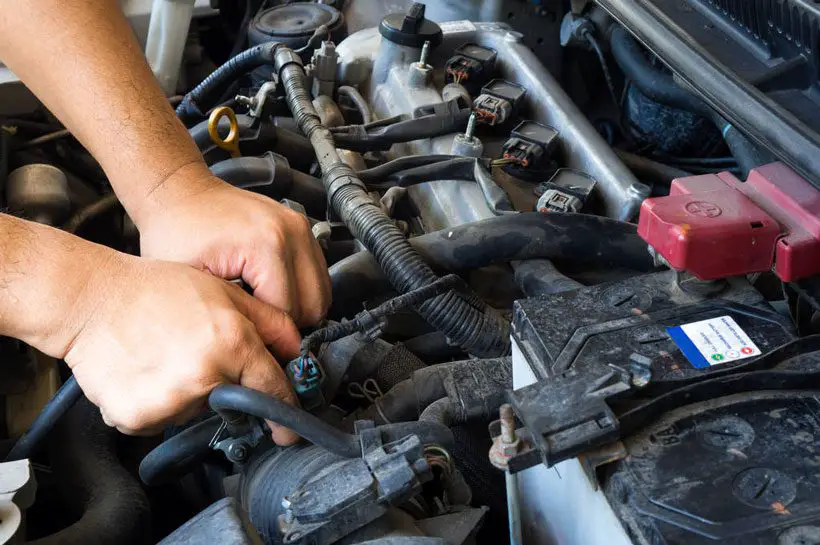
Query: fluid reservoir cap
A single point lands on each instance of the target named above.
(293, 24)
(410, 29)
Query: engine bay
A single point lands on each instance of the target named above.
(575, 293)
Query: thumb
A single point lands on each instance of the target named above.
(275, 327)
(263, 373)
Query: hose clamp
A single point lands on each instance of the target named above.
(341, 176)
(285, 56)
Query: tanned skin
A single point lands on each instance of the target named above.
(148, 337)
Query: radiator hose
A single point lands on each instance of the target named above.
(464, 319)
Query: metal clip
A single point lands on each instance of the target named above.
(231, 142)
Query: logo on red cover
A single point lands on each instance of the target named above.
(703, 209)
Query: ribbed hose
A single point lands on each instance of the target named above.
(201, 97)
(478, 330)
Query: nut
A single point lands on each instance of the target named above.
(501, 452)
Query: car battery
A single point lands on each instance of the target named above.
(668, 336)
(736, 470)
(648, 321)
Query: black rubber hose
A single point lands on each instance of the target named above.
(255, 138)
(457, 168)
(747, 154)
(34, 438)
(653, 82)
(228, 400)
(477, 387)
(382, 172)
(87, 213)
(661, 87)
(358, 100)
(271, 175)
(515, 237)
(177, 455)
(202, 97)
(110, 504)
(431, 347)
(473, 326)
(439, 412)
(363, 138)
(649, 170)
(540, 277)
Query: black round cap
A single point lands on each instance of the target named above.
(292, 24)
(411, 28)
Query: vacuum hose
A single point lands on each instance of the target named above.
(464, 320)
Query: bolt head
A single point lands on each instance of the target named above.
(238, 451)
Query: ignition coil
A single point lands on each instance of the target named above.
(499, 101)
(567, 191)
(530, 144)
(471, 66)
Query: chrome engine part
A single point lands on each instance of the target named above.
(449, 203)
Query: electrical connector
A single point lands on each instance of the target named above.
(530, 144)
(499, 101)
(567, 191)
(306, 376)
(471, 66)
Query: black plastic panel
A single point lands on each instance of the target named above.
(755, 61)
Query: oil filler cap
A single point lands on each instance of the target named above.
(410, 29)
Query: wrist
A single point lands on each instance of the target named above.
(190, 179)
(46, 276)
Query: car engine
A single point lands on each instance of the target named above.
(574, 250)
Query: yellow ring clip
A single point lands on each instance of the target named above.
(231, 142)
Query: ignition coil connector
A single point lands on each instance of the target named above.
(471, 66)
(499, 101)
(567, 191)
(530, 144)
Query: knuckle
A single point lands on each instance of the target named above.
(226, 330)
(302, 224)
(235, 332)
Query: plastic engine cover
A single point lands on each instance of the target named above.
(741, 469)
(647, 320)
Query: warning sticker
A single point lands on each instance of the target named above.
(713, 342)
(457, 26)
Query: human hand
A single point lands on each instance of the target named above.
(234, 233)
(151, 339)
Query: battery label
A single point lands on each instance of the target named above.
(713, 342)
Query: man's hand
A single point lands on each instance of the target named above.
(147, 340)
(234, 233)
(154, 338)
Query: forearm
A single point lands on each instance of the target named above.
(44, 275)
(81, 59)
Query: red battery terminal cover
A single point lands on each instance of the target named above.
(715, 226)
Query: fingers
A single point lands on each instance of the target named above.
(263, 373)
(275, 328)
(289, 271)
(313, 284)
(271, 274)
